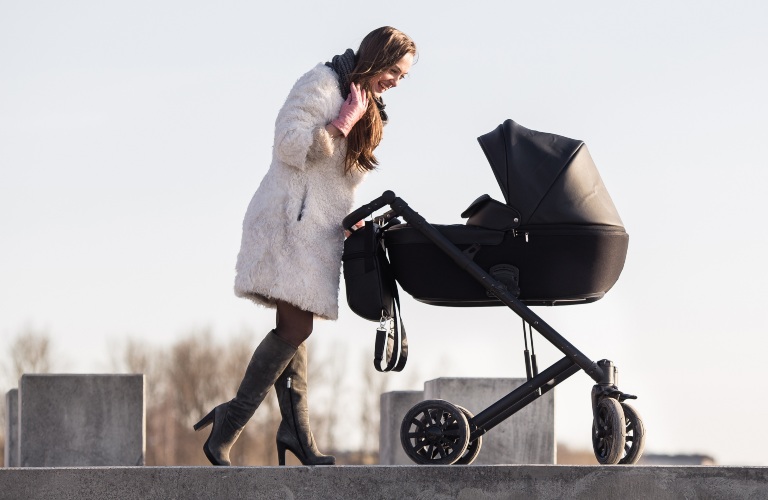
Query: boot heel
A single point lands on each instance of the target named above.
(205, 421)
(280, 453)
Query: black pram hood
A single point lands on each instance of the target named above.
(548, 178)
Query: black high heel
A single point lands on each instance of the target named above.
(205, 421)
(281, 453)
(223, 435)
(316, 458)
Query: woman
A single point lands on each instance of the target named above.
(290, 256)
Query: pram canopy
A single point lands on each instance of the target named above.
(547, 178)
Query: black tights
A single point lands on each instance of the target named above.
(293, 324)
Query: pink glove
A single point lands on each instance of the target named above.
(352, 110)
(357, 226)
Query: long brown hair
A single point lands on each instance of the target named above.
(381, 49)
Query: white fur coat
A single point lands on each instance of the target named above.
(292, 234)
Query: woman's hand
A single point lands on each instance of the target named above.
(357, 226)
(352, 110)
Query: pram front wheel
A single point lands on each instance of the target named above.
(608, 432)
(435, 432)
(473, 448)
(635, 435)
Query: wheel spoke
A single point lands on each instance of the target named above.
(427, 418)
(420, 443)
(418, 424)
(433, 418)
(602, 432)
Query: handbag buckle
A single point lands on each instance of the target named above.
(383, 322)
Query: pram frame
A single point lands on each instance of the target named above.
(603, 372)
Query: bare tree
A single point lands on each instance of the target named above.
(327, 392)
(194, 376)
(374, 385)
(30, 353)
(136, 356)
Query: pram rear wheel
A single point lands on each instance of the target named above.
(608, 432)
(435, 432)
(635, 435)
(473, 448)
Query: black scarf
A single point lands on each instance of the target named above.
(343, 64)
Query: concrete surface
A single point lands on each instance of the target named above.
(81, 420)
(393, 407)
(11, 454)
(527, 437)
(508, 482)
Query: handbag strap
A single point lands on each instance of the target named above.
(390, 340)
(372, 235)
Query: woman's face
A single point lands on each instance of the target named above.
(391, 77)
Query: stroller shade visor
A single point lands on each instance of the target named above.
(547, 178)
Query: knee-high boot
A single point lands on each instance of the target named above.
(267, 363)
(294, 432)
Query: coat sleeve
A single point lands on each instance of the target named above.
(300, 135)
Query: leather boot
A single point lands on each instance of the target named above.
(294, 433)
(267, 363)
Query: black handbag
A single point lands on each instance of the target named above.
(372, 294)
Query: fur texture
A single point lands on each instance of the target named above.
(292, 235)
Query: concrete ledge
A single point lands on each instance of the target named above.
(12, 428)
(488, 482)
(527, 437)
(393, 407)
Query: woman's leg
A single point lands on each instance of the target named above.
(293, 324)
(268, 362)
(294, 433)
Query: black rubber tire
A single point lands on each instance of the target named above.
(473, 448)
(635, 435)
(434, 432)
(608, 430)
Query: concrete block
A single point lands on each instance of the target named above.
(81, 420)
(527, 437)
(394, 406)
(12, 428)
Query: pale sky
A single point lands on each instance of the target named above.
(133, 134)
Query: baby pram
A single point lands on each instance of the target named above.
(556, 240)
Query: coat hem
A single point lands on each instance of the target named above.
(271, 303)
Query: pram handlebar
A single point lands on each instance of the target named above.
(361, 213)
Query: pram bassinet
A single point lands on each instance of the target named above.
(558, 238)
